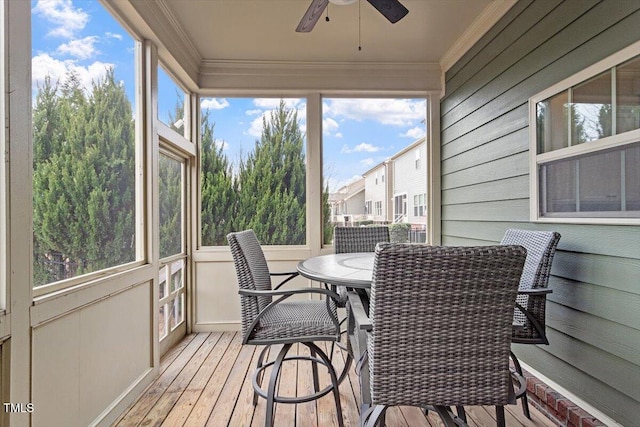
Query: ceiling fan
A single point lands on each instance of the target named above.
(393, 10)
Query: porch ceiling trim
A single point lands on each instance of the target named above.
(279, 76)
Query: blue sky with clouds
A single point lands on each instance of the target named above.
(82, 37)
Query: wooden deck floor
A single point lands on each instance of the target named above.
(206, 380)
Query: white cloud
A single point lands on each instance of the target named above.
(338, 135)
(360, 148)
(221, 144)
(329, 125)
(367, 162)
(255, 128)
(267, 106)
(214, 103)
(79, 48)
(415, 133)
(114, 35)
(44, 65)
(394, 112)
(67, 20)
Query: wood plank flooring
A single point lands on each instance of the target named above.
(206, 381)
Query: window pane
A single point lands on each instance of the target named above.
(552, 128)
(170, 102)
(253, 165)
(591, 109)
(632, 178)
(163, 321)
(177, 274)
(560, 191)
(628, 96)
(373, 148)
(593, 184)
(162, 287)
(600, 182)
(84, 189)
(171, 175)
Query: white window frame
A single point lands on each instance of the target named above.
(419, 204)
(404, 199)
(378, 208)
(368, 207)
(88, 280)
(613, 141)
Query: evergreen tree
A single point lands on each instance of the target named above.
(327, 225)
(271, 181)
(171, 224)
(84, 189)
(218, 189)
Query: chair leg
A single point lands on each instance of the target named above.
(273, 381)
(334, 380)
(314, 370)
(259, 365)
(370, 416)
(500, 421)
(461, 413)
(447, 416)
(525, 402)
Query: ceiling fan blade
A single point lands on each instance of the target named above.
(312, 15)
(393, 10)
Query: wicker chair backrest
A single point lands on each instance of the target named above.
(541, 247)
(442, 324)
(252, 272)
(358, 239)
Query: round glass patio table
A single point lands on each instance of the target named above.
(353, 270)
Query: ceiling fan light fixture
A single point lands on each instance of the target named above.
(342, 2)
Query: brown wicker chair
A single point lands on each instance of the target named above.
(440, 335)
(267, 321)
(529, 316)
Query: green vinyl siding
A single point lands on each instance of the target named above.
(594, 312)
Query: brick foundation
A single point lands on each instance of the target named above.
(556, 407)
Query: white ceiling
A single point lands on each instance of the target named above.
(264, 30)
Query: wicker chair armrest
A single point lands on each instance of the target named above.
(360, 316)
(291, 275)
(289, 292)
(535, 292)
(532, 320)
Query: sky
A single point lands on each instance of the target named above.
(81, 36)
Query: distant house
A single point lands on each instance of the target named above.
(347, 204)
(410, 184)
(377, 193)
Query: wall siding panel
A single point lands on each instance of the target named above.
(608, 336)
(603, 240)
(512, 89)
(593, 316)
(512, 121)
(485, 44)
(601, 301)
(570, 39)
(510, 188)
(624, 409)
(509, 144)
(503, 168)
(537, 18)
(613, 272)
